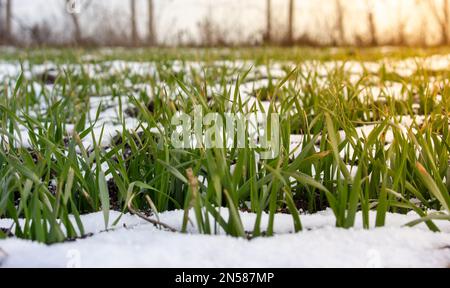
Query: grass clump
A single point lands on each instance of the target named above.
(355, 154)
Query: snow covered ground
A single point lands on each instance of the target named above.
(135, 243)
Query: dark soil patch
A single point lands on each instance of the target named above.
(85, 236)
(132, 112)
(49, 76)
(151, 106)
(114, 195)
(249, 235)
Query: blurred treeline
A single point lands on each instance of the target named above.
(277, 22)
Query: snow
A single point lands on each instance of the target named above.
(258, 78)
(140, 244)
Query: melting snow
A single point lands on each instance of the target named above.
(140, 244)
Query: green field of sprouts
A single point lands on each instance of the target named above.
(88, 131)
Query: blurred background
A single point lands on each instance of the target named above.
(224, 22)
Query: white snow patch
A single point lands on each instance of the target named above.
(319, 245)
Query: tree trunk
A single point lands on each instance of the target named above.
(2, 26)
(134, 35)
(340, 23)
(76, 26)
(290, 33)
(445, 21)
(8, 22)
(151, 23)
(268, 36)
(372, 25)
(401, 38)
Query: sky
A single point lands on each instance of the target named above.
(238, 19)
(172, 16)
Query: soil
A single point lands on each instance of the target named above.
(49, 76)
(134, 111)
(115, 203)
(85, 236)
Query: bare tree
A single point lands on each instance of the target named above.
(290, 33)
(134, 34)
(207, 31)
(268, 34)
(8, 20)
(42, 33)
(371, 23)
(443, 18)
(151, 23)
(401, 38)
(340, 28)
(75, 22)
(2, 35)
(74, 18)
(445, 21)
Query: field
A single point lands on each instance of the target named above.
(355, 174)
